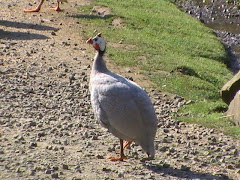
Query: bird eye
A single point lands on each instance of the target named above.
(95, 39)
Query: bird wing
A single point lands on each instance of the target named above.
(124, 107)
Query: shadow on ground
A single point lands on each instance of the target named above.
(90, 16)
(22, 25)
(184, 172)
(20, 35)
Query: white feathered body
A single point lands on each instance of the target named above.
(124, 108)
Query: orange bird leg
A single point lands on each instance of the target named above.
(37, 8)
(57, 8)
(122, 156)
(127, 143)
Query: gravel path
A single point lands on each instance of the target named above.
(47, 127)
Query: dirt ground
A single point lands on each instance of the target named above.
(47, 127)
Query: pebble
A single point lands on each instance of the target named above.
(65, 166)
(55, 175)
(100, 156)
(33, 144)
(48, 171)
(40, 108)
(53, 33)
(121, 175)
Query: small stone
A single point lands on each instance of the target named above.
(48, 171)
(32, 123)
(65, 166)
(32, 172)
(33, 144)
(106, 169)
(18, 170)
(185, 168)
(65, 142)
(171, 150)
(235, 152)
(165, 165)
(163, 148)
(50, 69)
(85, 134)
(55, 168)
(121, 175)
(230, 166)
(94, 137)
(185, 157)
(100, 156)
(89, 144)
(41, 134)
(166, 130)
(53, 33)
(49, 147)
(55, 175)
(128, 70)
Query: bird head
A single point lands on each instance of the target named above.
(147, 145)
(97, 42)
(151, 152)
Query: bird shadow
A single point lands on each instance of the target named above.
(9, 35)
(184, 172)
(90, 16)
(22, 25)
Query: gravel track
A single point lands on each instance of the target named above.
(47, 127)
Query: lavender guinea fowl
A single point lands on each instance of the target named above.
(120, 105)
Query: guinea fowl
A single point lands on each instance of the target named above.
(120, 105)
(37, 9)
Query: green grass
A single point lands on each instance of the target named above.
(182, 56)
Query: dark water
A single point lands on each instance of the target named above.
(232, 28)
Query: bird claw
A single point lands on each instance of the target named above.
(121, 158)
(56, 9)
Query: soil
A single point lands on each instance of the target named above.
(47, 127)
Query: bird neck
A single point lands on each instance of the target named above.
(99, 64)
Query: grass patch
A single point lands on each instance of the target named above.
(181, 55)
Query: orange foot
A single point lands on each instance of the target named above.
(121, 158)
(57, 9)
(32, 10)
(127, 143)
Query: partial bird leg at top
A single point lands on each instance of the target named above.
(37, 8)
(122, 156)
(127, 143)
(57, 8)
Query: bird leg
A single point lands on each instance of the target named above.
(57, 8)
(122, 156)
(37, 8)
(127, 143)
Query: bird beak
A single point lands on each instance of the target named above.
(89, 41)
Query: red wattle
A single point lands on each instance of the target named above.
(96, 46)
